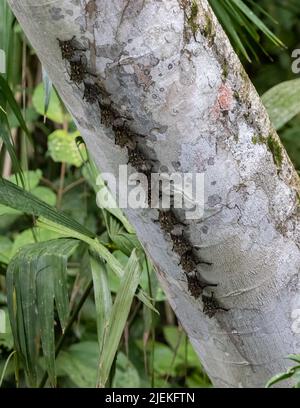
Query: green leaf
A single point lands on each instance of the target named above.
(242, 25)
(55, 110)
(45, 194)
(30, 236)
(79, 362)
(177, 339)
(62, 147)
(126, 375)
(45, 307)
(31, 179)
(48, 88)
(294, 357)
(36, 277)
(257, 22)
(283, 102)
(124, 241)
(103, 298)
(15, 197)
(105, 199)
(279, 377)
(6, 91)
(118, 318)
(165, 361)
(5, 249)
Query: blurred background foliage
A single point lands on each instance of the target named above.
(55, 169)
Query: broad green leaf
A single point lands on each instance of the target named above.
(5, 249)
(30, 236)
(79, 362)
(45, 194)
(126, 375)
(165, 360)
(31, 179)
(55, 110)
(176, 340)
(283, 102)
(118, 318)
(62, 148)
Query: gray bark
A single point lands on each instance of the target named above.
(170, 68)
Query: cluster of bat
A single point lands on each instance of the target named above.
(79, 73)
(188, 262)
(124, 138)
(94, 93)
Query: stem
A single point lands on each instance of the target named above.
(68, 327)
(74, 184)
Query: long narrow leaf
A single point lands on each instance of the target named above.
(5, 135)
(103, 300)
(118, 318)
(9, 96)
(15, 197)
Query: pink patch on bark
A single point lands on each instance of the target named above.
(224, 100)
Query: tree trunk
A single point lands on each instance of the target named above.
(169, 68)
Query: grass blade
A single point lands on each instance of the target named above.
(103, 300)
(48, 88)
(118, 318)
(15, 197)
(9, 96)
